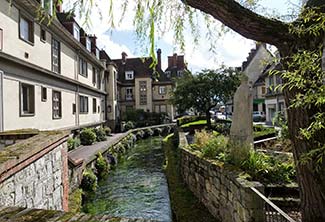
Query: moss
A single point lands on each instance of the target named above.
(20, 132)
(185, 206)
(75, 201)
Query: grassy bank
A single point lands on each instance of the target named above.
(185, 206)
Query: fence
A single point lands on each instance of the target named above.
(272, 212)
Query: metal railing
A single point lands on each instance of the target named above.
(272, 212)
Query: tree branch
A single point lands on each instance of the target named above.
(244, 21)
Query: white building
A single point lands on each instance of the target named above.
(51, 76)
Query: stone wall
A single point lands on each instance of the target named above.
(227, 196)
(33, 173)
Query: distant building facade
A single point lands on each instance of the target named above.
(142, 87)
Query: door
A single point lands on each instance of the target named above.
(1, 101)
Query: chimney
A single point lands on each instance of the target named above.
(159, 58)
(124, 56)
(175, 60)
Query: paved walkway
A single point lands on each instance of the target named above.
(87, 153)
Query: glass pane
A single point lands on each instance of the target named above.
(24, 29)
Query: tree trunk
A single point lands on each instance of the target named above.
(208, 117)
(311, 182)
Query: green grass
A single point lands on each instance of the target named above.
(185, 206)
(199, 122)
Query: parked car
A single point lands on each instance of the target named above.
(258, 116)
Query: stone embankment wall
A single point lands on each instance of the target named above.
(34, 172)
(227, 196)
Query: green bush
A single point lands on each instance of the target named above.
(188, 119)
(158, 131)
(261, 132)
(108, 131)
(129, 125)
(101, 166)
(100, 134)
(140, 134)
(73, 143)
(215, 146)
(89, 180)
(87, 136)
(148, 132)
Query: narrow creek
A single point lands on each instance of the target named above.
(137, 187)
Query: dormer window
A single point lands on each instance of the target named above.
(88, 44)
(179, 73)
(76, 32)
(129, 75)
(47, 5)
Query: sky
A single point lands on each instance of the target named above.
(231, 49)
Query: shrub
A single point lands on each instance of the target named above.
(100, 134)
(129, 125)
(140, 134)
(148, 132)
(89, 180)
(201, 138)
(87, 136)
(215, 146)
(158, 131)
(101, 166)
(108, 131)
(73, 143)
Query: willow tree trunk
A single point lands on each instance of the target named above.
(272, 31)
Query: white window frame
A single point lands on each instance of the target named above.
(129, 75)
(56, 104)
(162, 90)
(30, 100)
(88, 44)
(97, 53)
(76, 32)
(129, 93)
(29, 36)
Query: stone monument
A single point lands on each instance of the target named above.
(241, 131)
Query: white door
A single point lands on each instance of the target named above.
(1, 101)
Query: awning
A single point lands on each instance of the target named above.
(258, 101)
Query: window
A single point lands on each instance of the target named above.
(76, 32)
(27, 99)
(143, 93)
(44, 94)
(56, 105)
(83, 69)
(179, 73)
(263, 90)
(162, 90)
(74, 109)
(163, 108)
(56, 57)
(98, 79)
(129, 93)
(47, 6)
(26, 29)
(43, 35)
(129, 75)
(83, 104)
(88, 44)
(1, 39)
(94, 105)
(94, 76)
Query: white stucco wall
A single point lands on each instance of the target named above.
(43, 110)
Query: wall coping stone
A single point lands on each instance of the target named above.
(15, 157)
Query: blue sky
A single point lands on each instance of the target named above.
(232, 49)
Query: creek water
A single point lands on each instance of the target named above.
(137, 187)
